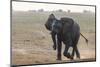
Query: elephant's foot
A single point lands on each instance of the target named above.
(59, 57)
(71, 57)
(78, 57)
(54, 47)
(68, 56)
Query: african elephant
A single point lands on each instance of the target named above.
(64, 30)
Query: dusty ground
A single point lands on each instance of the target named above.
(37, 48)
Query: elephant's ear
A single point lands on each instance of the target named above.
(68, 21)
(49, 22)
(47, 25)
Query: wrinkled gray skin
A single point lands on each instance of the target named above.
(67, 31)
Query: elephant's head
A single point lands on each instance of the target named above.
(53, 24)
(49, 22)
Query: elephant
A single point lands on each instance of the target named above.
(66, 31)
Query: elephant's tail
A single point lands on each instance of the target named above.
(84, 38)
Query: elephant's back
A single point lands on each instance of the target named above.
(70, 28)
(76, 27)
(70, 32)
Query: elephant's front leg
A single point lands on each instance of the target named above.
(59, 48)
(54, 40)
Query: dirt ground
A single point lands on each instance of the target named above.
(36, 48)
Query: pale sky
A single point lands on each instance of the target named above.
(25, 6)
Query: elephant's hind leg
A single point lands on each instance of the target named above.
(77, 52)
(76, 49)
